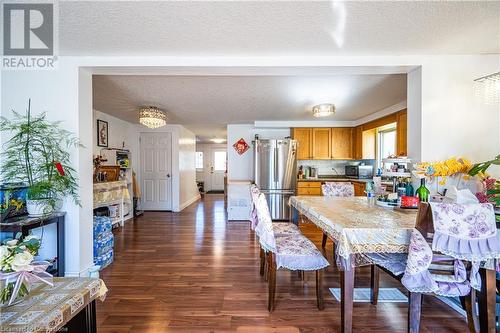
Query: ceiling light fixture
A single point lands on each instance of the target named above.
(152, 117)
(488, 88)
(218, 140)
(323, 110)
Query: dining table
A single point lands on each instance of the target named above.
(360, 230)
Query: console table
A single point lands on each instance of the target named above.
(68, 306)
(24, 224)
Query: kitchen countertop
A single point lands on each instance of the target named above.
(335, 179)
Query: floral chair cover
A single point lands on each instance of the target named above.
(278, 228)
(254, 192)
(337, 189)
(293, 251)
(463, 232)
(265, 226)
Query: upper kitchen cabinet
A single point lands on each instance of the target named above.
(402, 132)
(357, 142)
(342, 143)
(304, 142)
(322, 143)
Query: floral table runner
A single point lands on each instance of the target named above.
(49, 308)
(356, 226)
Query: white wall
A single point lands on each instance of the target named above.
(62, 93)
(187, 171)
(240, 167)
(452, 123)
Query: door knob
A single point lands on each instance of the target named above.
(168, 175)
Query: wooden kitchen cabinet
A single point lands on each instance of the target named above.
(401, 133)
(357, 142)
(342, 143)
(308, 188)
(321, 143)
(304, 142)
(359, 188)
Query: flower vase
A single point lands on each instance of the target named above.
(7, 289)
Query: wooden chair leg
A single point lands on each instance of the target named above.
(262, 261)
(374, 284)
(334, 260)
(323, 241)
(319, 289)
(414, 312)
(272, 282)
(469, 304)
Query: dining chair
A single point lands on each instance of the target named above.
(445, 250)
(279, 228)
(335, 189)
(294, 252)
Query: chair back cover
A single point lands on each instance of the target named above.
(459, 232)
(254, 193)
(265, 226)
(337, 189)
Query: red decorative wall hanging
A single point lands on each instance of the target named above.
(241, 146)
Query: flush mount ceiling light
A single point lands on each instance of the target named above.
(152, 117)
(488, 88)
(323, 110)
(216, 140)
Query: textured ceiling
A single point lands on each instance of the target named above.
(205, 104)
(278, 28)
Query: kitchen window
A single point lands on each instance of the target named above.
(386, 143)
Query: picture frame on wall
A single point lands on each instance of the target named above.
(102, 133)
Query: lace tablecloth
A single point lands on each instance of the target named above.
(111, 191)
(356, 226)
(49, 308)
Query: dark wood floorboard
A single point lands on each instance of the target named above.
(195, 272)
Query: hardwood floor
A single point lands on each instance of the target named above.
(195, 272)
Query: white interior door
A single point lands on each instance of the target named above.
(217, 169)
(156, 171)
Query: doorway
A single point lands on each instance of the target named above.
(156, 171)
(217, 161)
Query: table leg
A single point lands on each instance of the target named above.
(84, 321)
(487, 301)
(346, 298)
(414, 312)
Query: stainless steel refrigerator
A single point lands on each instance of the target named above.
(275, 173)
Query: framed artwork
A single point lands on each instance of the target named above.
(102, 133)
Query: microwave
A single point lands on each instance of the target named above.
(359, 171)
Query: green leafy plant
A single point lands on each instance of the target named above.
(491, 186)
(37, 153)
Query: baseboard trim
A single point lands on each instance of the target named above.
(189, 202)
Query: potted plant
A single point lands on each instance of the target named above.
(37, 154)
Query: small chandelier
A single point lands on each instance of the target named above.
(323, 110)
(152, 117)
(488, 88)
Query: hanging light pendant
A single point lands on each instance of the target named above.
(323, 110)
(487, 88)
(152, 117)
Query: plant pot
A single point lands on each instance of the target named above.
(6, 293)
(39, 207)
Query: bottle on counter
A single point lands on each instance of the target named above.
(409, 188)
(300, 174)
(423, 192)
